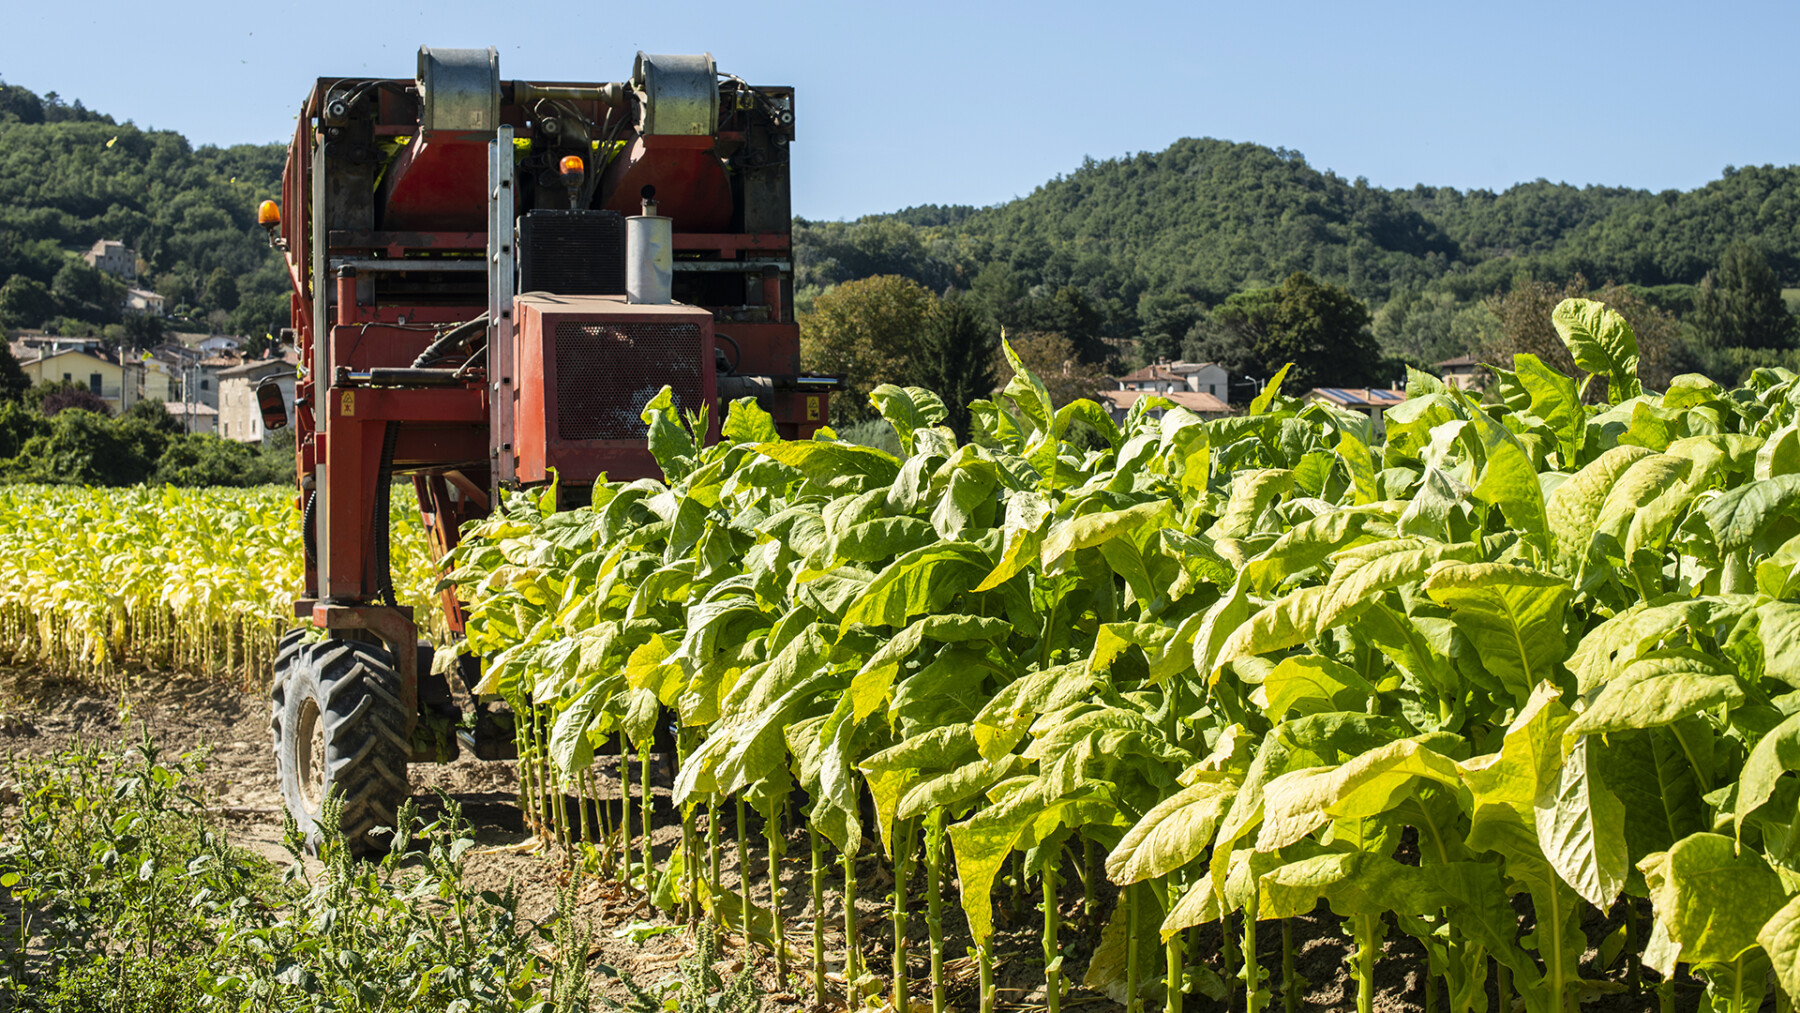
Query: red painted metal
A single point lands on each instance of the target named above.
(437, 184)
(689, 180)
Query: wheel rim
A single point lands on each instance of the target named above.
(310, 736)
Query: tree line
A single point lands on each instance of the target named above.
(70, 176)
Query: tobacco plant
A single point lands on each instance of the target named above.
(1542, 646)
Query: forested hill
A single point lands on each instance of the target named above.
(1151, 239)
(1145, 247)
(70, 176)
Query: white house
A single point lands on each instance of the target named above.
(1207, 378)
(143, 301)
(1463, 372)
(239, 416)
(194, 417)
(1118, 402)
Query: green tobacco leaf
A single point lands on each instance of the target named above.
(1026, 514)
(1600, 341)
(1555, 399)
(1739, 517)
(1289, 621)
(1028, 392)
(1310, 684)
(1353, 884)
(1780, 937)
(1659, 688)
(1647, 479)
(923, 580)
(836, 467)
(1302, 547)
(1574, 508)
(1264, 398)
(1361, 464)
(1606, 650)
(1094, 529)
(1252, 490)
(1513, 615)
(1298, 802)
(570, 747)
(1657, 785)
(747, 422)
(1529, 755)
(1178, 830)
(1776, 753)
(1711, 897)
(959, 785)
(1581, 828)
(1359, 573)
(1509, 480)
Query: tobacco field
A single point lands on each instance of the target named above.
(1504, 669)
(95, 580)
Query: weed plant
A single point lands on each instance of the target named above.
(121, 896)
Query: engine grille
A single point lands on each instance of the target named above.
(607, 372)
(572, 252)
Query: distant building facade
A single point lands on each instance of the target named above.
(89, 365)
(240, 417)
(1370, 401)
(1463, 372)
(1207, 378)
(113, 257)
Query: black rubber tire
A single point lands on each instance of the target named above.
(339, 725)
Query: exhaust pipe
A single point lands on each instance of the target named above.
(649, 255)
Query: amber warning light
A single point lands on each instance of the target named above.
(268, 215)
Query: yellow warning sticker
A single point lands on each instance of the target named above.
(349, 404)
(812, 408)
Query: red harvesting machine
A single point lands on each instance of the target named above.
(490, 279)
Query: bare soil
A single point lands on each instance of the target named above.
(41, 715)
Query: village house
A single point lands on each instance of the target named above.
(1165, 377)
(240, 418)
(1370, 401)
(1463, 372)
(86, 363)
(113, 257)
(143, 302)
(1118, 402)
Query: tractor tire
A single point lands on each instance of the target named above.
(339, 727)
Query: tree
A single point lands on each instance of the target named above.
(25, 302)
(956, 356)
(52, 397)
(868, 331)
(1319, 327)
(1739, 304)
(220, 291)
(1522, 324)
(82, 448)
(200, 459)
(1053, 357)
(13, 381)
(87, 292)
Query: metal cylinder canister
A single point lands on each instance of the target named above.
(649, 259)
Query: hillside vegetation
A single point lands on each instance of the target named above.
(1124, 260)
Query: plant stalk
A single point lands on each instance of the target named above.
(818, 909)
(1052, 951)
(852, 957)
(934, 887)
(903, 845)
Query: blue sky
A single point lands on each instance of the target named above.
(976, 103)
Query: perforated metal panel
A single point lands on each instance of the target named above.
(607, 372)
(572, 252)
